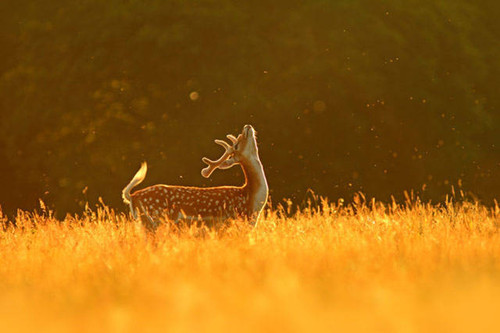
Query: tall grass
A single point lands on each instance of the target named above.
(361, 267)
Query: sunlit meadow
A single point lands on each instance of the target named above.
(365, 267)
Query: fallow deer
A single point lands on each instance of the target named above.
(206, 204)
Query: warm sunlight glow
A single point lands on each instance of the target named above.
(163, 164)
(361, 267)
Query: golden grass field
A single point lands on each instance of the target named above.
(375, 268)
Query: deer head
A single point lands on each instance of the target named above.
(244, 148)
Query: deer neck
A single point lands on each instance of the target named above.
(255, 184)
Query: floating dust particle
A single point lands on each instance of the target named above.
(194, 95)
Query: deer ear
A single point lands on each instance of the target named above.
(229, 163)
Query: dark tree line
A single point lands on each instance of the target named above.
(346, 96)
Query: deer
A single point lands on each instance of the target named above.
(206, 204)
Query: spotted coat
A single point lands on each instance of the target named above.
(178, 202)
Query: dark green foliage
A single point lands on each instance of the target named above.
(378, 96)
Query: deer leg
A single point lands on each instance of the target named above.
(147, 220)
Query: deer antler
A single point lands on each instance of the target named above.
(232, 138)
(212, 165)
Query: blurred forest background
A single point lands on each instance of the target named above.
(372, 96)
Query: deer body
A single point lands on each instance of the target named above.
(206, 204)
